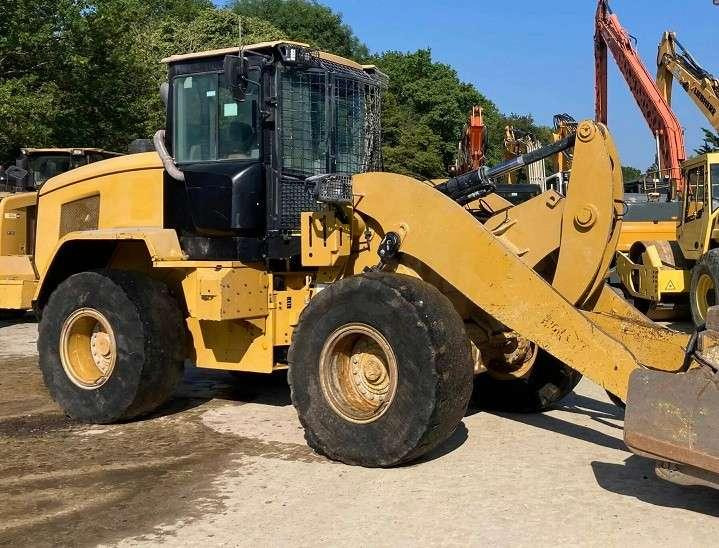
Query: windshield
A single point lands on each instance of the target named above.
(714, 175)
(209, 124)
(330, 122)
(44, 167)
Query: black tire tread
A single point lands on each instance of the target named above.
(147, 301)
(434, 313)
(709, 262)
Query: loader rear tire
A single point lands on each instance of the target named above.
(548, 382)
(704, 288)
(110, 345)
(380, 370)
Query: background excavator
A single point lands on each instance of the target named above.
(674, 61)
(683, 266)
(471, 155)
(473, 144)
(611, 36)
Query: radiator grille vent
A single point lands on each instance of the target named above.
(80, 215)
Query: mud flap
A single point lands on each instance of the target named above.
(675, 418)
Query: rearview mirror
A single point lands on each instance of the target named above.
(235, 68)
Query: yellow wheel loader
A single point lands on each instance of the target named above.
(258, 237)
(34, 166)
(667, 271)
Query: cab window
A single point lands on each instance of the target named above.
(714, 174)
(209, 124)
(696, 193)
(44, 167)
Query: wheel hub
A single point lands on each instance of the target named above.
(88, 351)
(705, 294)
(358, 373)
(509, 356)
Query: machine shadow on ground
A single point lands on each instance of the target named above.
(200, 386)
(635, 478)
(28, 317)
(592, 408)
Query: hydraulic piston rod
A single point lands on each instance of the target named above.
(475, 184)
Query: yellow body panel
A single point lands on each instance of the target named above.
(228, 293)
(323, 238)
(130, 190)
(14, 222)
(245, 344)
(636, 231)
(16, 294)
(234, 345)
(651, 279)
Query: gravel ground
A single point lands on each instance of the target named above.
(225, 464)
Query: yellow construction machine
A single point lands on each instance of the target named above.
(661, 270)
(675, 61)
(259, 238)
(34, 166)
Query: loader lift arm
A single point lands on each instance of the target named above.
(569, 312)
(674, 61)
(663, 123)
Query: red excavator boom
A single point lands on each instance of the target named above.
(471, 148)
(609, 34)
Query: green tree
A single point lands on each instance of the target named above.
(424, 111)
(306, 21)
(630, 173)
(210, 29)
(35, 46)
(76, 73)
(710, 144)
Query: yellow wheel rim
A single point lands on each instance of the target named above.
(88, 351)
(358, 373)
(704, 295)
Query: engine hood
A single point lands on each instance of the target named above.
(131, 162)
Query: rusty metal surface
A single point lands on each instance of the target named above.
(674, 417)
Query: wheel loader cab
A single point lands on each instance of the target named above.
(701, 205)
(245, 156)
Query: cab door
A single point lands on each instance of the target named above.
(696, 213)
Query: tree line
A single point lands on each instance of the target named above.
(86, 73)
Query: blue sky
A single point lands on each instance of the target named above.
(534, 56)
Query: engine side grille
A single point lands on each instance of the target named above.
(80, 214)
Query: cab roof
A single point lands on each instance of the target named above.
(81, 150)
(266, 47)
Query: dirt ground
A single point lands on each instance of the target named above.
(225, 464)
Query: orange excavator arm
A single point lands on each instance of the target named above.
(610, 35)
(471, 154)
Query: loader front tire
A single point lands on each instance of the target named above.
(704, 287)
(110, 345)
(547, 382)
(380, 370)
